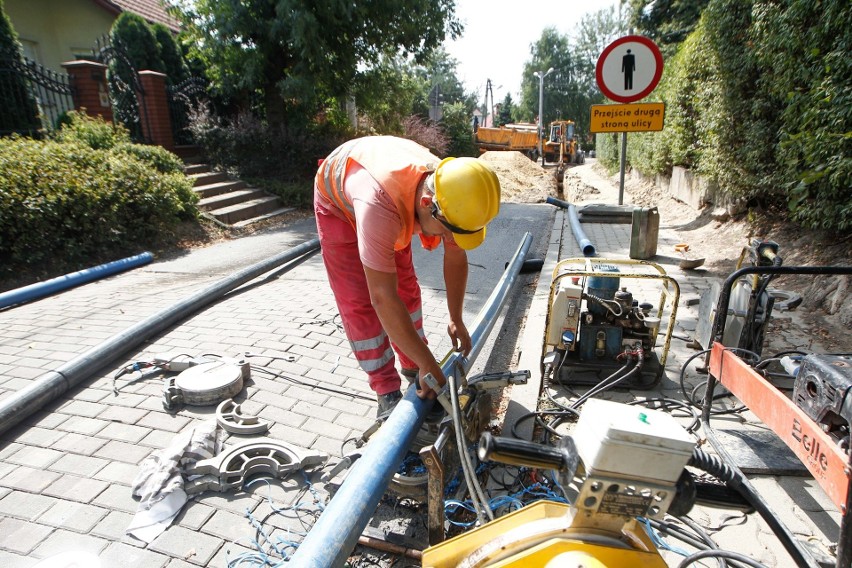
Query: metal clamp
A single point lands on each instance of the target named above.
(229, 417)
(231, 468)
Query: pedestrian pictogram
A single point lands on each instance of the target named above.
(629, 69)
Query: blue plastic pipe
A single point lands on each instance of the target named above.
(574, 219)
(336, 533)
(55, 383)
(42, 289)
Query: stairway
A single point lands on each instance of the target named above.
(230, 201)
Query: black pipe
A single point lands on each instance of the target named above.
(54, 384)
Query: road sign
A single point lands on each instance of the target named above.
(639, 117)
(629, 68)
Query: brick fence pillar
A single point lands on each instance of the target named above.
(154, 113)
(88, 80)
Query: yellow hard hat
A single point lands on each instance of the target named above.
(467, 193)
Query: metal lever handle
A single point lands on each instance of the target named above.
(563, 458)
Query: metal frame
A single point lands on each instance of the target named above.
(828, 464)
(563, 270)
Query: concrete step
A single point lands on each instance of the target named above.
(223, 200)
(273, 213)
(247, 210)
(190, 169)
(189, 154)
(218, 188)
(206, 178)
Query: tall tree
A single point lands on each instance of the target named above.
(135, 37)
(562, 91)
(173, 64)
(386, 93)
(667, 22)
(19, 112)
(294, 53)
(507, 108)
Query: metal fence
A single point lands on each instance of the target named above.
(32, 98)
(183, 99)
(126, 94)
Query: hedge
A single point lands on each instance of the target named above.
(758, 101)
(67, 200)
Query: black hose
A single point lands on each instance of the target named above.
(735, 479)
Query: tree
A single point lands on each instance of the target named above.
(173, 64)
(457, 125)
(562, 92)
(593, 34)
(19, 112)
(296, 53)
(507, 109)
(667, 22)
(132, 34)
(386, 94)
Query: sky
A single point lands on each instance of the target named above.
(498, 35)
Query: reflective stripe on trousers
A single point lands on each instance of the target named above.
(370, 343)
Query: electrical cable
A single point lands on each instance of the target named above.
(476, 494)
(724, 469)
(317, 386)
(613, 380)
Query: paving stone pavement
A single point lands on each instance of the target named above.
(66, 470)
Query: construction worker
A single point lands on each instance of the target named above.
(371, 195)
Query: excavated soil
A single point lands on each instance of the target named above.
(712, 234)
(521, 179)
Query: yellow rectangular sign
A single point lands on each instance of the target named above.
(638, 117)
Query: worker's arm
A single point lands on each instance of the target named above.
(397, 323)
(455, 279)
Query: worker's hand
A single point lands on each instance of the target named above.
(425, 391)
(460, 337)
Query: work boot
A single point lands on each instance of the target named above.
(387, 402)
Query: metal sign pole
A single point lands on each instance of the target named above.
(623, 166)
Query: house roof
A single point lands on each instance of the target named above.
(152, 10)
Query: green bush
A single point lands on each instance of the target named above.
(249, 147)
(804, 51)
(161, 159)
(71, 202)
(94, 132)
(758, 101)
(292, 193)
(132, 34)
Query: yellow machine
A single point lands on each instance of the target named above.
(520, 137)
(560, 146)
(621, 466)
(633, 461)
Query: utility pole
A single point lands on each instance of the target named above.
(541, 77)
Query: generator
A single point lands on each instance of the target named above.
(823, 390)
(605, 315)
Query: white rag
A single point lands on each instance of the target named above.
(159, 483)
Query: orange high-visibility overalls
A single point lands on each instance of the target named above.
(397, 165)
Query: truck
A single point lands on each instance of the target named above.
(520, 137)
(559, 145)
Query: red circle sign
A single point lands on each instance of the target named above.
(629, 68)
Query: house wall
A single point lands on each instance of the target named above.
(55, 31)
